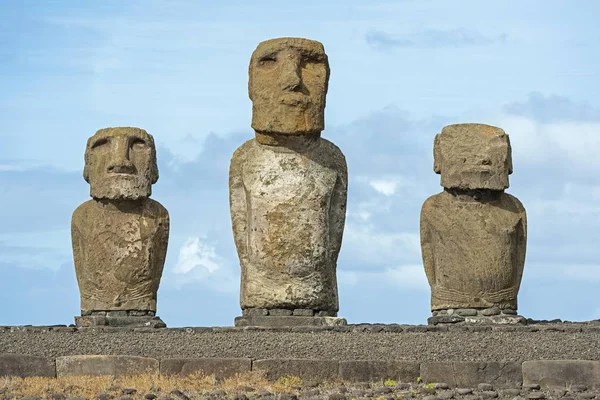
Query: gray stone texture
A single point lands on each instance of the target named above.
(318, 370)
(221, 367)
(562, 373)
(106, 320)
(120, 236)
(353, 342)
(473, 235)
(288, 186)
(97, 365)
(375, 370)
(290, 320)
(469, 374)
(25, 366)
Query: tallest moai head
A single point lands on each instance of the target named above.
(472, 156)
(287, 84)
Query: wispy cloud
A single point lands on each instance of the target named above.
(431, 38)
(552, 108)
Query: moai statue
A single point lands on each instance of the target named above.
(473, 235)
(287, 190)
(120, 236)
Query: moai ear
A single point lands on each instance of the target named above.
(86, 168)
(437, 154)
(509, 163)
(153, 161)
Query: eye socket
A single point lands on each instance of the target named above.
(267, 61)
(99, 142)
(138, 144)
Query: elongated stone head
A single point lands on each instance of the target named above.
(288, 80)
(120, 163)
(472, 156)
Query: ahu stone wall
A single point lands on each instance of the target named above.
(546, 354)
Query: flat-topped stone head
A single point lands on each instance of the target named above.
(288, 80)
(472, 156)
(120, 164)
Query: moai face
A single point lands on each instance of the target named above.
(473, 156)
(288, 80)
(120, 164)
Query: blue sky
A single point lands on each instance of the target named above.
(400, 71)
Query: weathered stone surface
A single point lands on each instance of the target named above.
(473, 156)
(96, 365)
(469, 373)
(24, 366)
(497, 319)
(221, 367)
(133, 321)
(280, 312)
(473, 235)
(288, 79)
(562, 373)
(120, 236)
(304, 312)
(373, 370)
(288, 321)
(288, 186)
(320, 370)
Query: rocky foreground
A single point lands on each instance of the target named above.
(254, 386)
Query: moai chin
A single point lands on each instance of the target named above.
(473, 234)
(120, 236)
(287, 191)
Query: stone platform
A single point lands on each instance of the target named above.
(286, 321)
(139, 319)
(552, 353)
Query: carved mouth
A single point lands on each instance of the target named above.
(294, 99)
(125, 175)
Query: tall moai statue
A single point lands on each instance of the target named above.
(120, 236)
(287, 191)
(473, 234)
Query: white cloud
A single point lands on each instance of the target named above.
(196, 255)
(198, 262)
(386, 187)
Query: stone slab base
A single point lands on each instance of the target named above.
(140, 321)
(562, 373)
(471, 373)
(98, 365)
(282, 321)
(25, 366)
(484, 316)
(555, 374)
(220, 367)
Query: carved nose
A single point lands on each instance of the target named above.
(121, 167)
(290, 76)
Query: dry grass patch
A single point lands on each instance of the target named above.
(88, 387)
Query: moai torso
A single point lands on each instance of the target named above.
(119, 254)
(291, 235)
(473, 235)
(474, 250)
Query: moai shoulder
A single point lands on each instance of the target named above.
(288, 189)
(473, 234)
(120, 236)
